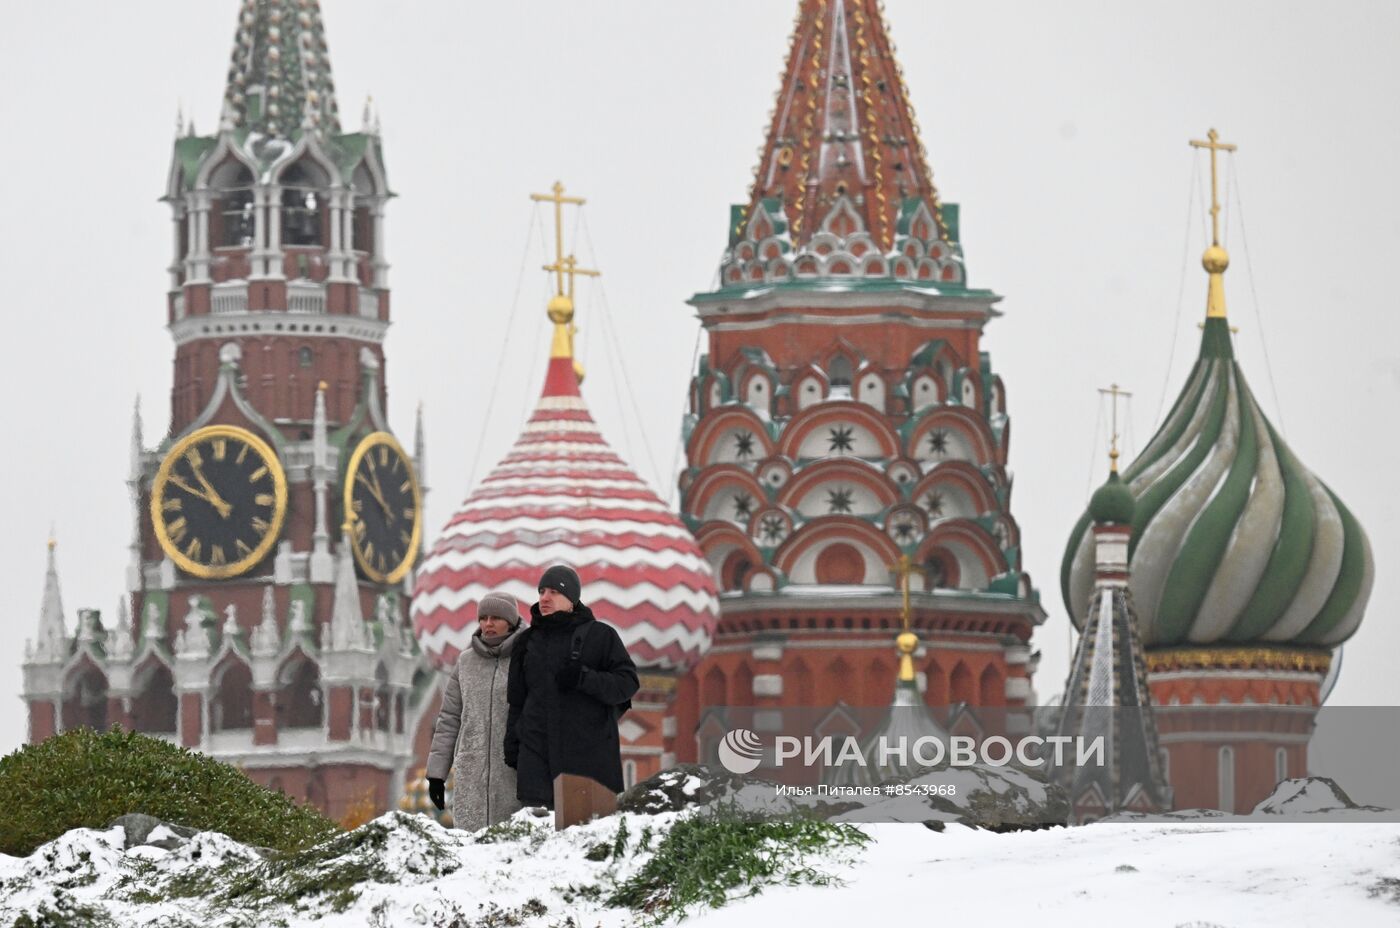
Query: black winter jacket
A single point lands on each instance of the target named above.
(549, 732)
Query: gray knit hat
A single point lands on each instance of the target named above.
(501, 606)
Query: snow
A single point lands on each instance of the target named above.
(1238, 873)
(1307, 795)
(1189, 874)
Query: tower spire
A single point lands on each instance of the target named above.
(346, 631)
(1216, 259)
(843, 126)
(51, 645)
(280, 76)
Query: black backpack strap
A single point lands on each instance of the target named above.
(579, 637)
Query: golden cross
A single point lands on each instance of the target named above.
(561, 265)
(1215, 145)
(568, 264)
(1113, 442)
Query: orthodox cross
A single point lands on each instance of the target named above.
(1113, 442)
(563, 264)
(1215, 145)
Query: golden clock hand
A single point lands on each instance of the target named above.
(218, 504)
(374, 473)
(377, 494)
(214, 498)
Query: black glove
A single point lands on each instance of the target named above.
(570, 676)
(436, 792)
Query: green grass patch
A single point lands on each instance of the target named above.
(85, 779)
(707, 859)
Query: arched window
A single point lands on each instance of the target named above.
(303, 200)
(155, 706)
(232, 706)
(235, 208)
(735, 569)
(839, 373)
(383, 701)
(299, 694)
(85, 700)
(1227, 779)
(629, 773)
(362, 228)
(1280, 765)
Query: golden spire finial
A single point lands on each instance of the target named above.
(1113, 441)
(1216, 259)
(906, 641)
(561, 305)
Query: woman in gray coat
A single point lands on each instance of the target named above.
(471, 727)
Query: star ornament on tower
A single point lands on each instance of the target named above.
(839, 500)
(743, 444)
(743, 506)
(841, 438)
(772, 529)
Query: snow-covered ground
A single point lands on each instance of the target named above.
(1192, 874)
(1201, 873)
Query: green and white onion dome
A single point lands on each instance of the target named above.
(1234, 541)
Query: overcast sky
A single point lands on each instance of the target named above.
(1060, 128)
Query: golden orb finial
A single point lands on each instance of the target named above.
(906, 642)
(322, 387)
(561, 309)
(1215, 260)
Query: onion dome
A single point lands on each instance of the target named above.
(563, 496)
(1113, 502)
(1234, 541)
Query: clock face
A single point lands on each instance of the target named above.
(382, 503)
(218, 501)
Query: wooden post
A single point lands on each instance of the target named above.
(580, 799)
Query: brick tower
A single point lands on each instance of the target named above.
(846, 414)
(275, 523)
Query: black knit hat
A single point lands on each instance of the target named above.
(564, 580)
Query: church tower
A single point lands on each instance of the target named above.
(846, 414)
(1107, 696)
(276, 521)
(1247, 573)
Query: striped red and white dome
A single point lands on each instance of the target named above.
(563, 496)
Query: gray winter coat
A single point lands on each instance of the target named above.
(470, 731)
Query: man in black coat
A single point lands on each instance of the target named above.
(570, 680)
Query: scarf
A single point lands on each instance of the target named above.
(497, 645)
